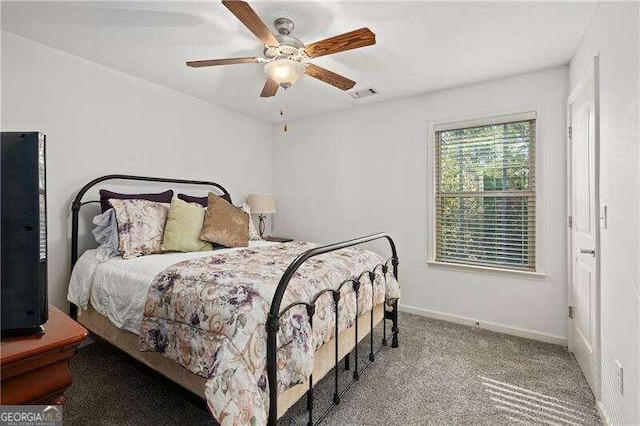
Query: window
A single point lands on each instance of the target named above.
(485, 196)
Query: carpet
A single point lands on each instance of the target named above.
(442, 373)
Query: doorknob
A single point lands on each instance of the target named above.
(592, 252)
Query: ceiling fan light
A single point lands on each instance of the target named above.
(283, 71)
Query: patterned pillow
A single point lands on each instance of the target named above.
(140, 226)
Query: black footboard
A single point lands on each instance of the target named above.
(273, 324)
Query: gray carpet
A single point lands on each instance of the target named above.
(442, 373)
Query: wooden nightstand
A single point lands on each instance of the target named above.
(35, 369)
(278, 239)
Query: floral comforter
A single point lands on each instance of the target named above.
(209, 315)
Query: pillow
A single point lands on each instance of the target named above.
(184, 223)
(140, 226)
(105, 196)
(203, 201)
(253, 233)
(225, 224)
(106, 234)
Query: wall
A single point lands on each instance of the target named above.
(364, 170)
(613, 35)
(99, 121)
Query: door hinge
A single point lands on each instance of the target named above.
(570, 221)
(570, 131)
(570, 311)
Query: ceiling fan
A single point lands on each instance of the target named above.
(285, 56)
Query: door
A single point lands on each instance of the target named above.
(584, 227)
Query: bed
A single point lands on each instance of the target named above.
(122, 302)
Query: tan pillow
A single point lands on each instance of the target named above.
(225, 224)
(183, 228)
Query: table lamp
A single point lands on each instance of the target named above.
(261, 204)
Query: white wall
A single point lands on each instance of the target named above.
(613, 34)
(364, 170)
(99, 121)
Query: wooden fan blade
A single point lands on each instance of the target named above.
(270, 88)
(227, 61)
(353, 40)
(251, 20)
(329, 77)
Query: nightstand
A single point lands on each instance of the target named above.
(35, 369)
(278, 239)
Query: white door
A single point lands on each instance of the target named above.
(584, 231)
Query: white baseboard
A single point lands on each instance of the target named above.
(520, 332)
(603, 414)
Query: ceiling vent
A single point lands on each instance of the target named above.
(364, 93)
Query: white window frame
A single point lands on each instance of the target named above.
(523, 113)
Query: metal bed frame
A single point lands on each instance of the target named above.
(276, 313)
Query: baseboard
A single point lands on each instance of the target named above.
(603, 414)
(520, 332)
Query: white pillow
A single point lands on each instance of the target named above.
(253, 234)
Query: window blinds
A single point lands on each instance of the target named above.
(485, 195)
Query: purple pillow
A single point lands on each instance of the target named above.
(203, 201)
(105, 195)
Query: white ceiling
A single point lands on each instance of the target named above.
(421, 46)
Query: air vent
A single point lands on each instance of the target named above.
(364, 93)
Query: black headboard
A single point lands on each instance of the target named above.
(78, 203)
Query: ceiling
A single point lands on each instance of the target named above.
(421, 46)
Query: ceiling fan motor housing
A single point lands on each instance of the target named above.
(290, 46)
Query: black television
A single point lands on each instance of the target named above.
(23, 238)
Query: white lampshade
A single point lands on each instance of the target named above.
(261, 203)
(285, 72)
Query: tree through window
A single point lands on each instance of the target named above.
(485, 195)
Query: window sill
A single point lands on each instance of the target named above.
(487, 270)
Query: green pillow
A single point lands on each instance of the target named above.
(184, 223)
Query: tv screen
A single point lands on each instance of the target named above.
(24, 232)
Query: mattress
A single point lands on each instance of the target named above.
(117, 288)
